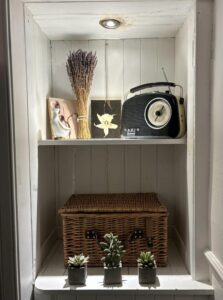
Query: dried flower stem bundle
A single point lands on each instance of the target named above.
(80, 68)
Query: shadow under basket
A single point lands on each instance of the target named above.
(140, 221)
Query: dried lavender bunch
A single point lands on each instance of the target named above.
(80, 69)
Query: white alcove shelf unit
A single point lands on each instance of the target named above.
(156, 34)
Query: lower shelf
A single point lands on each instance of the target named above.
(51, 283)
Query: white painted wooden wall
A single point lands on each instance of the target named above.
(183, 52)
(129, 63)
(42, 179)
(116, 169)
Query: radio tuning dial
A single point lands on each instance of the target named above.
(158, 113)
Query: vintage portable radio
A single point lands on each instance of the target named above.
(155, 114)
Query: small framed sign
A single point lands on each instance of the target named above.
(105, 118)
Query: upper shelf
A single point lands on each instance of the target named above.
(80, 142)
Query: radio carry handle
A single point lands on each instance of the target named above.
(155, 84)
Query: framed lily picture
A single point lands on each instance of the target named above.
(105, 118)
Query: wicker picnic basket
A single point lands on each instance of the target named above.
(139, 220)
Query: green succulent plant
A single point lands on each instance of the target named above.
(78, 261)
(146, 260)
(113, 250)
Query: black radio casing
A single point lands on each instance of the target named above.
(134, 111)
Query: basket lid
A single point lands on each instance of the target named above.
(112, 203)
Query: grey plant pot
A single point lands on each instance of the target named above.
(112, 275)
(147, 275)
(77, 276)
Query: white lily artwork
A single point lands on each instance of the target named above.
(105, 119)
(106, 123)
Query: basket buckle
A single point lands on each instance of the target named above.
(137, 234)
(91, 234)
(150, 242)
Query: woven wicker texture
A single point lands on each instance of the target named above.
(113, 203)
(120, 214)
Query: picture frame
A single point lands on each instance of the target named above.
(63, 118)
(106, 118)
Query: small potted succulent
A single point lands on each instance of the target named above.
(113, 252)
(77, 269)
(146, 268)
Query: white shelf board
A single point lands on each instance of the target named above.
(173, 279)
(82, 142)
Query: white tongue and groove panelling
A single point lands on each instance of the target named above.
(129, 63)
(116, 169)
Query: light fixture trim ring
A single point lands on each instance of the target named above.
(110, 23)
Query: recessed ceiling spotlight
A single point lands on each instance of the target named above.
(110, 23)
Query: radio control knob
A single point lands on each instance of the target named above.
(181, 101)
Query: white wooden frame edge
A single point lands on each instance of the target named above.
(215, 264)
(9, 261)
(201, 165)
